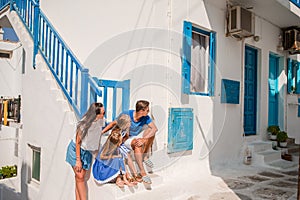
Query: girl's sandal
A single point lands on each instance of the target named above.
(138, 178)
(131, 179)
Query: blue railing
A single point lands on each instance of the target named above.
(111, 86)
(296, 2)
(71, 76)
(4, 3)
(78, 86)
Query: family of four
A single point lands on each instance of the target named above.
(133, 130)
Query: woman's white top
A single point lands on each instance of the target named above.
(92, 139)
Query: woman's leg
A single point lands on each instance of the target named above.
(81, 192)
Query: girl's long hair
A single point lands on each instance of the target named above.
(110, 148)
(86, 121)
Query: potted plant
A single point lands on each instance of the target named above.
(273, 130)
(281, 138)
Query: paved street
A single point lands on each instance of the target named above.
(257, 183)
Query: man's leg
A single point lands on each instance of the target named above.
(148, 146)
(138, 154)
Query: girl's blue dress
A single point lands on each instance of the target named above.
(107, 170)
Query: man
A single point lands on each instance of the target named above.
(141, 135)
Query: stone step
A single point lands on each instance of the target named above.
(293, 148)
(259, 146)
(269, 155)
(282, 164)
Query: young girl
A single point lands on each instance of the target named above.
(86, 140)
(109, 165)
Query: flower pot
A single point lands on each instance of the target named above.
(283, 144)
(273, 137)
(287, 157)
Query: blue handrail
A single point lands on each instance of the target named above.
(296, 2)
(71, 76)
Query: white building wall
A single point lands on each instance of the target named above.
(111, 40)
(117, 47)
(11, 69)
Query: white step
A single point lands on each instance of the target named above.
(258, 146)
(283, 164)
(270, 155)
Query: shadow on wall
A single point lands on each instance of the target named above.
(7, 193)
(25, 170)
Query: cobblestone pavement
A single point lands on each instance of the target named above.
(259, 184)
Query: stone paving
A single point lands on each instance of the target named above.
(266, 183)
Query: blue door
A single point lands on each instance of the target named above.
(250, 84)
(180, 129)
(273, 90)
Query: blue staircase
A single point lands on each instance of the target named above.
(78, 86)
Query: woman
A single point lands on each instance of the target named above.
(85, 141)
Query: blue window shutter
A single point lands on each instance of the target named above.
(180, 129)
(212, 55)
(297, 77)
(186, 57)
(289, 76)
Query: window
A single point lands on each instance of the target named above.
(198, 61)
(36, 162)
(293, 84)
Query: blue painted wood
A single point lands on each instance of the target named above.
(123, 85)
(296, 2)
(230, 91)
(297, 78)
(273, 90)
(212, 60)
(84, 91)
(4, 3)
(289, 75)
(180, 129)
(186, 57)
(250, 81)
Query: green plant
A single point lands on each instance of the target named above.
(273, 129)
(8, 171)
(282, 136)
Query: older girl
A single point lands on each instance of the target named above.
(85, 141)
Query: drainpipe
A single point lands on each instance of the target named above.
(242, 88)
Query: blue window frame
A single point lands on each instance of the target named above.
(293, 71)
(198, 60)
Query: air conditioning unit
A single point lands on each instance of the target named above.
(291, 40)
(240, 22)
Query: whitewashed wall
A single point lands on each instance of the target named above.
(111, 40)
(10, 70)
(9, 139)
(115, 48)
